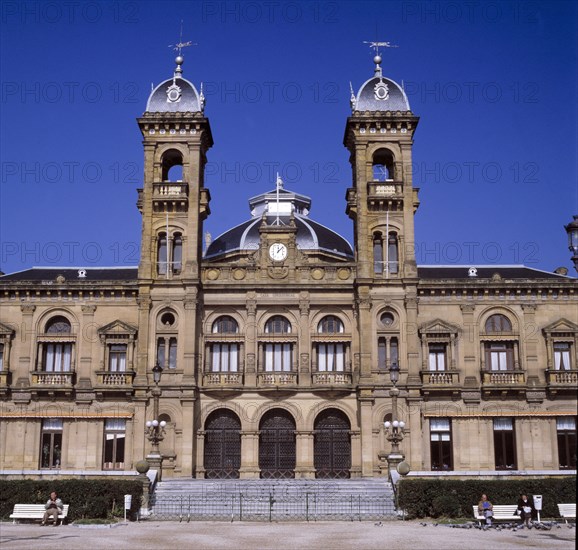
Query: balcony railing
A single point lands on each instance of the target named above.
(387, 188)
(277, 379)
(170, 190)
(223, 379)
(439, 378)
(503, 378)
(115, 379)
(331, 378)
(63, 379)
(562, 377)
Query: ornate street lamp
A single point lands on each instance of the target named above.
(155, 429)
(572, 231)
(394, 430)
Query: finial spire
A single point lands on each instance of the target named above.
(377, 57)
(352, 100)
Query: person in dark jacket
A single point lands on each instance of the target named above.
(53, 507)
(526, 510)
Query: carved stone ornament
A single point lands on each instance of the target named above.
(174, 93)
(381, 91)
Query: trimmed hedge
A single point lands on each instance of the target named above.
(88, 498)
(421, 498)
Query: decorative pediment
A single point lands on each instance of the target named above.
(5, 330)
(437, 326)
(117, 328)
(562, 325)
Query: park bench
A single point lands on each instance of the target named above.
(34, 511)
(567, 511)
(500, 511)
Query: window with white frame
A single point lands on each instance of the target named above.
(51, 443)
(56, 347)
(562, 355)
(566, 435)
(331, 356)
(500, 356)
(278, 354)
(117, 357)
(114, 444)
(225, 355)
(440, 444)
(437, 357)
(504, 444)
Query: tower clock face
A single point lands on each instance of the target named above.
(278, 252)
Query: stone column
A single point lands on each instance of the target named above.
(200, 465)
(366, 419)
(304, 467)
(187, 443)
(355, 453)
(304, 340)
(249, 455)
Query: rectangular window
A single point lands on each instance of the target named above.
(441, 444)
(57, 357)
(504, 444)
(437, 357)
(225, 358)
(562, 356)
(117, 358)
(51, 443)
(114, 444)
(500, 356)
(1, 357)
(167, 353)
(566, 431)
(278, 357)
(330, 357)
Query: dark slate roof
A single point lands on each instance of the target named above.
(189, 100)
(396, 101)
(485, 272)
(310, 236)
(36, 274)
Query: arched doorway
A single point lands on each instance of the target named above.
(277, 445)
(222, 445)
(332, 445)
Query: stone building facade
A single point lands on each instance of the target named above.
(277, 341)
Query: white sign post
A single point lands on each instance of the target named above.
(538, 504)
(127, 504)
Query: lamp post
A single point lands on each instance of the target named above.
(572, 231)
(155, 429)
(394, 430)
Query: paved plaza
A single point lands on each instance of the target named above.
(323, 535)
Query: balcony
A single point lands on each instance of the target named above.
(503, 378)
(276, 379)
(562, 379)
(223, 379)
(115, 379)
(440, 379)
(53, 379)
(388, 188)
(170, 196)
(331, 378)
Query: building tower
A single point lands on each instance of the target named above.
(173, 203)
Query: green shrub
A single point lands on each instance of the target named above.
(416, 496)
(445, 505)
(88, 498)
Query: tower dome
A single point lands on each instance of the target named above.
(176, 94)
(380, 93)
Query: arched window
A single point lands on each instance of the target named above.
(385, 254)
(330, 325)
(392, 260)
(58, 325)
(278, 325)
(225, 325)
(498, 323)
(172, 166)
(177, 253)
(162, 254)
(383, 165)
(57, 356)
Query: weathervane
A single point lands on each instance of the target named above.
(178, 47)
(377, 45)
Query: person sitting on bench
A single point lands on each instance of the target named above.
(53, 507)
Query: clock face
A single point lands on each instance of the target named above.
(278, 251)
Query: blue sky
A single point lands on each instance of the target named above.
(495, 85)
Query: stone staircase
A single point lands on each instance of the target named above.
(273, 500)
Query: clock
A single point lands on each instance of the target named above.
(278, 252)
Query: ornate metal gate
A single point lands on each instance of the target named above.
(277, 445)
(332, 445)
(222, 445)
